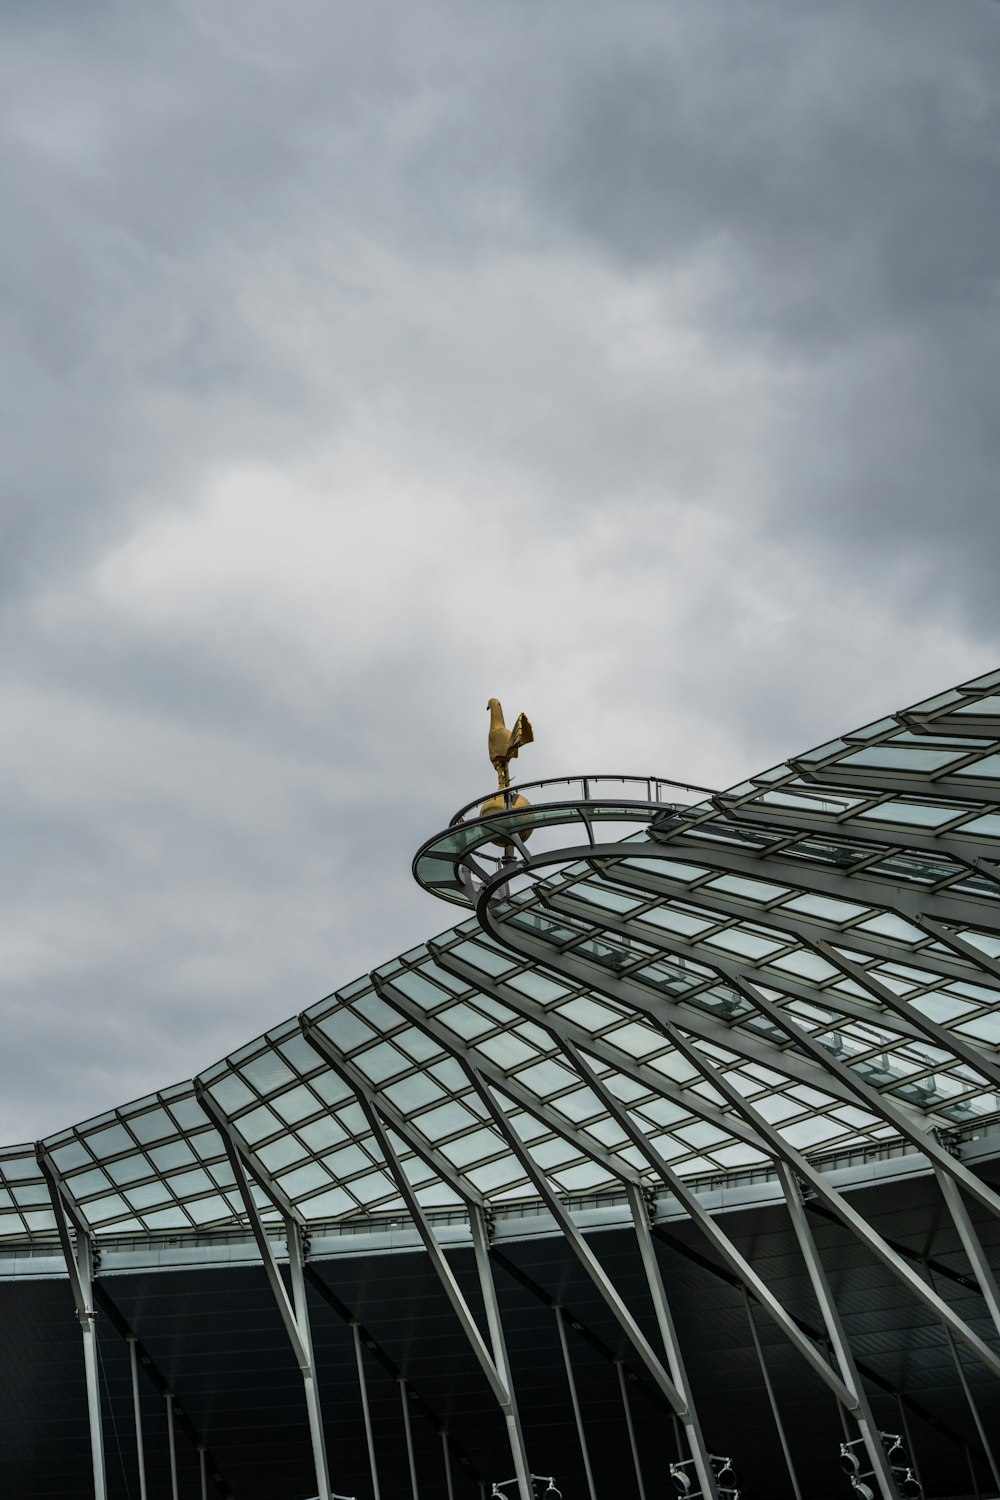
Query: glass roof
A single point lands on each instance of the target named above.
(845, 906)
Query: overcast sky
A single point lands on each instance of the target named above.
(635, 363)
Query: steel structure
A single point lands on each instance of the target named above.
(668, 1011)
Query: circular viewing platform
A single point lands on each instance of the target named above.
(456, 864)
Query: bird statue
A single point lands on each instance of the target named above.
(504, 743)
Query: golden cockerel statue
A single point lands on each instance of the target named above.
(504, 743)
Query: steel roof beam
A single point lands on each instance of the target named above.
(907, 899)
(371, 1343)
(730, 970)
(492, 1358)
(833, 1323)
(605, 1286)
(846, 824)
(779, 1147)
(970, 963)
(844, 1210)
(79, 1259)
(294, 1310)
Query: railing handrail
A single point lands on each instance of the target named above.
(654, 786)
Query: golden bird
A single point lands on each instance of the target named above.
(504, 743)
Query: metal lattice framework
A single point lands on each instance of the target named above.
(665, 989)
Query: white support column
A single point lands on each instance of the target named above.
(491, 1360)
(578, 1244)
(359, 1355)
(171, 1444)
(404, 1396)
(980, 1428)
(202, 1471)
(860, 1409)
(446, 1454)
(904, 1423)
(575, 1400)
(668, 1334)
(300, 1301)
(294, 1311)
(137, 1410)
(487, 1286)
(732, 1257)
(79, 1260)
(981, 1268)
(772, 1400)
(631, 1429)
(790, 1160)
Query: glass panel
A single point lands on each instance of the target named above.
(73, 1155)
(486, 959)
(537, 986)
(322, 1133)
(411, 1093)
(303, 1180)
(176, 1154)
(381, 1062)
(147, 1195)
(301, 1056)
(351, 1159)
(296, 1104)
(445, 1120)
(546, 1078)
(281, 1153)
(258, 1124)
(328, 1205)
(109, 1142)
(152, 1126)
(129, 1169)
(231, 1094)
(506, 1051)
(917, 814)
(346, 1030)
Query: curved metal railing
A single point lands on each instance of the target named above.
(453, 865)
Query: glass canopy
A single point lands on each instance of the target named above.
(825, 936)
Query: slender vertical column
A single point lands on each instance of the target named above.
(577, 1417)
(487, 1286)
(668, 1334)
(775, 1413)
(404, 1396)
(79, 1262)
(168, 1398)
(699, 1215)
(446, 1451)
(577, 1243)
(137, 1409)
(202, 1471)
(908, 1439)
(841, 1409)
(88, 1323)
(972, 1473)
(967, 1391)
(983, 1438)
(861, 1411)
(94, 1411)
(359, 1355)
(631, 1430)
(981, 1268)
(300, 1302)
(294, 1312)
(493, 1363)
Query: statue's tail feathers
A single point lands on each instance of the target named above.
(521, 734)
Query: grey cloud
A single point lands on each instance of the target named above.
(358, 366)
